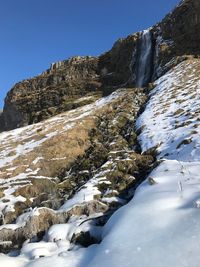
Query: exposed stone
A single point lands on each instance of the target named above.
(37, 225)
(84, 239)
(50, 93)
(152, 181)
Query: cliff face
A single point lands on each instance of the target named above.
(50, 93)
(178, 35)
(59, 88)
(182, 26)
(133, 61)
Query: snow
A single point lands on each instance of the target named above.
(171, 117)
(7, 261)
(88, 192)
(160, 226)
(23, 144)
(57, 243)
(36, 250)
(60, 232)
(113, 199)
(22, 219)
(84, 195)
(25, 137)
(66, 259)
(37, 160)
(8, 201)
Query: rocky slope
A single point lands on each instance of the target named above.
(58, 89)
(63, 177)
(83, 163)
(164, 207)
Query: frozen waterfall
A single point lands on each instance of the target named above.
(144, 61)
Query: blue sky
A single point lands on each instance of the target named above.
(35, 33)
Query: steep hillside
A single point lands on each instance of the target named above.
(104, 170)
(133, 61)
(162, 220)
(160, 226)
(83, 163)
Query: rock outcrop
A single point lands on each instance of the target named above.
(182, 27)
(54, 91)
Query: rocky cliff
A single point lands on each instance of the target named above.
(52, 92)
(178, 34)
(58, 89)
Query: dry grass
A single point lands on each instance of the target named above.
(55, 153)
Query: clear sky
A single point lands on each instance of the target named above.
(35, 33)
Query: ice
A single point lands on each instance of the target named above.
(144, 61)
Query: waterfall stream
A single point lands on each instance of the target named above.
(144, 61)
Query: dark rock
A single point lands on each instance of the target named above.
(84, 239)
(151, 181)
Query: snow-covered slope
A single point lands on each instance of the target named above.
(161, 225)
(100, 179)
(172, 117)
(32, 154)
